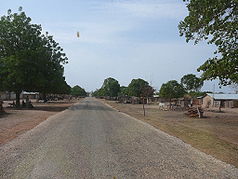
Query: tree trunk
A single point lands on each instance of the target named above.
(1, 107)
(18, 99)
(170, 104)
(44, 97)
(220, 106)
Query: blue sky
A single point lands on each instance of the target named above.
(123, 39)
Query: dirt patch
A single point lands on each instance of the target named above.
(217, 134)
(15, 122)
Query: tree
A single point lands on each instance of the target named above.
(195, 94)
(111, 87)
(78, 91)
(63, 87)
(216, 22)
(140, 88)
(171, 89)
(123, 91)
(51, 71)
(191, 83)
(29, 60)
(19, 41)
(99, 92)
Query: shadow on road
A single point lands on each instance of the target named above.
(86, 106)
(50, 108)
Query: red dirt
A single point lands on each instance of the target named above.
(15, 122)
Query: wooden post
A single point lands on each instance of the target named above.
(18, 105)
(199, 113)
(143, 105)
(1, 107)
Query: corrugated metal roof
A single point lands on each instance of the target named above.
(30, 93)
(224, 96)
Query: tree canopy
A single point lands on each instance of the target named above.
(99, 92)
(140, 88)
(123, 91)
(171, 89)
(78, 91)
(217, 22)
(111, 87)
(191, 83)
(29, 59)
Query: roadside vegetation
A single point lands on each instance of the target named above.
(216, 23)
(78, 91)
(137, 87)
(30, 60)
(189, 85)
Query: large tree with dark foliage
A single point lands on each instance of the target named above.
(140, 88)
(191, 83)
(99, 92)
(217, 22)
(111, 87)
(52, 70)
(78, 91)
(171, 89)
(29, 60)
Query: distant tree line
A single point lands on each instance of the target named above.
(137, 87)
(30, 60)
(189, 84)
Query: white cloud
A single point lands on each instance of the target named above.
(151, 9)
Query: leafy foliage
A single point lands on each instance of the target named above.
(140, 88)
(171, 89)
(217, 22)
(123, 91)
(111, 87)
(191, 83)
(78, 91)
(52, 71)
(197, 93)
(29, 60)
(99, 92)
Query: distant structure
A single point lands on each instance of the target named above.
(220, 100)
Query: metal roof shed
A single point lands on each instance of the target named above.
(223, 96)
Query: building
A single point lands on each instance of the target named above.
(30, 95)
(220, 100)
(8, 96)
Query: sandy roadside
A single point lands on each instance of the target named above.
(216, 134)
(16, 122)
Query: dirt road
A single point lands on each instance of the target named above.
(91, 140)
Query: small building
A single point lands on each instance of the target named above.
(30, 95)
(181, 103)
(220, 100)
(131, 100)
(7, 96)
(154, 100)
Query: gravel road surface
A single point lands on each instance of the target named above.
(91, 140)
